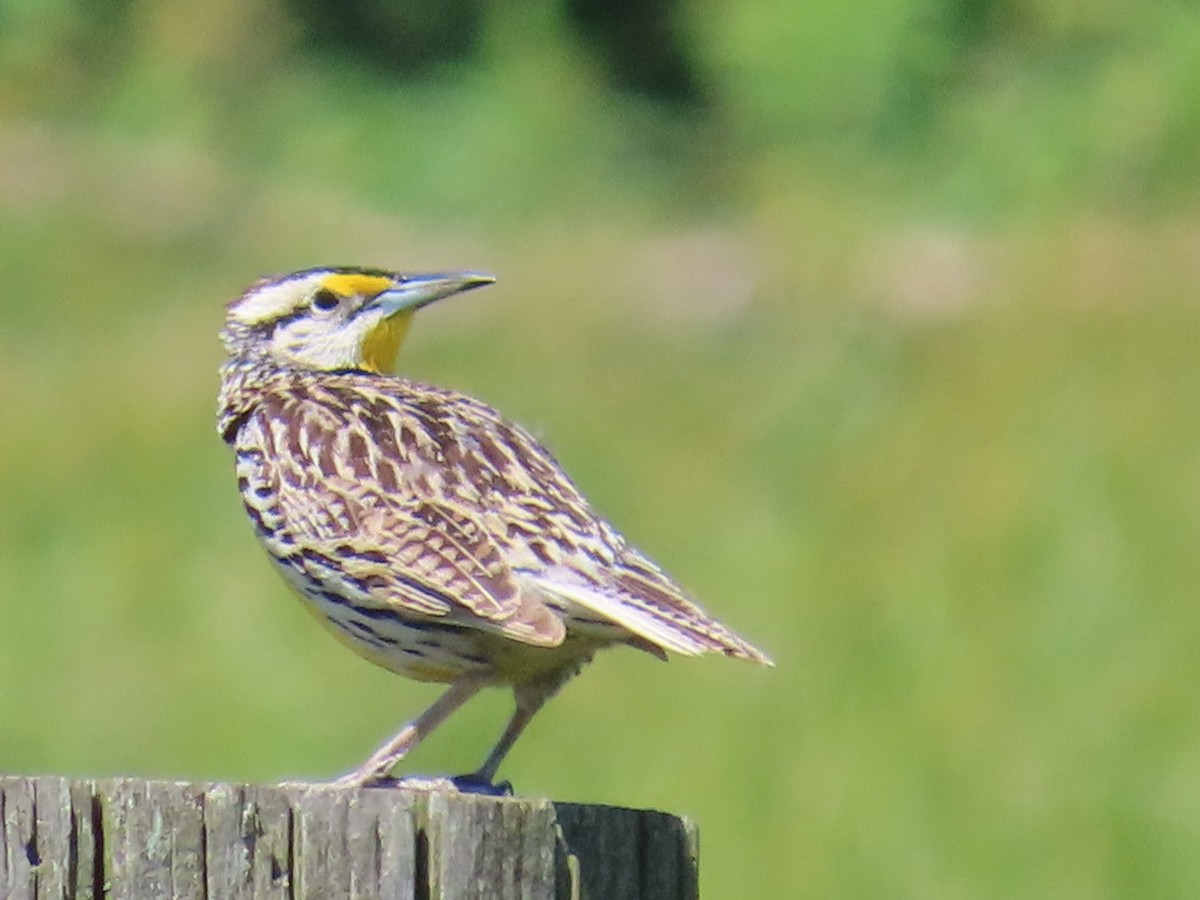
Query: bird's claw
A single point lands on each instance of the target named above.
(474, 783)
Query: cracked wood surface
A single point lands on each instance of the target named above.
(123, 838)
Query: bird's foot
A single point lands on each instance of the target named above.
(476, 783)
(472, 783)
(359, 778)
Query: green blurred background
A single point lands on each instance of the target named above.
(875, 323)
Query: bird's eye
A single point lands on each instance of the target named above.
(325, 300)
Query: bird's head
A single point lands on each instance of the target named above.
(329, 319)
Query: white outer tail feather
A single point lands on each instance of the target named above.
(623, 613)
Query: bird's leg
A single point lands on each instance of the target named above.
(383, 760)
(530, 697)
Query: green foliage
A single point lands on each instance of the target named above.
(887, 352)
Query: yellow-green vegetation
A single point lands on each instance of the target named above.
(888, 351)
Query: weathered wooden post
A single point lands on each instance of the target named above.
(129, 839)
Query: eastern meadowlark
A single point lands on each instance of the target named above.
(430, 534)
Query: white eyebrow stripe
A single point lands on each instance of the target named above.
(274, 300)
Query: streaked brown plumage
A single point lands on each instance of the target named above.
(431, 535)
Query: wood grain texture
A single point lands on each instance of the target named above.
(112, 839)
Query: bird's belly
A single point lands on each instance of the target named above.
(426, 650)
(517, 663)
(418, 648)
(415, 649)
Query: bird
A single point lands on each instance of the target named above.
(429, 533)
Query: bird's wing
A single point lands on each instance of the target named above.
(570, 555)
(365, 498)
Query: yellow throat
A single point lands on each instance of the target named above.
(382, 343)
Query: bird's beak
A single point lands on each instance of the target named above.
(411, 292)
